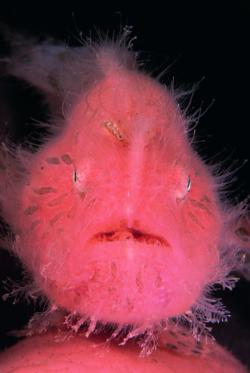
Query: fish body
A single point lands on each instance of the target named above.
(115, 216)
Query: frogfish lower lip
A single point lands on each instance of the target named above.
(130, 234)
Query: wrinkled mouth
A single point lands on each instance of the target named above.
(130, 234)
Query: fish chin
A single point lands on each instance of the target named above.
(125, 280)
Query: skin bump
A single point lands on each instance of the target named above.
(44, 190)
(30, 209)
(53, 160)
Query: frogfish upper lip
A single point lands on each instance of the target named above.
(130, 234)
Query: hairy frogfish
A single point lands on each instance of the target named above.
(116, 218)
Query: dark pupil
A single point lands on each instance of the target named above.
(75, 176)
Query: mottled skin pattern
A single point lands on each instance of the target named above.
(116, 217)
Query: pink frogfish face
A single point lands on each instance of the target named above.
(118, 218)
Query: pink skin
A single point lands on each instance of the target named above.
(43, 354)
(90, 181)
(116, 217)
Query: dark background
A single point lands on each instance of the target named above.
(202, 42)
